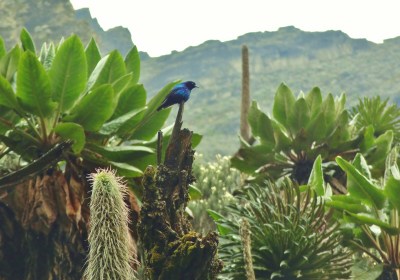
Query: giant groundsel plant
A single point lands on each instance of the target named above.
(69, 92)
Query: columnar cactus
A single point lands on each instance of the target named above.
(111, 251)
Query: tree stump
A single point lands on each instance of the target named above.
(172, 250)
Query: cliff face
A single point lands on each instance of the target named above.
(50, 20)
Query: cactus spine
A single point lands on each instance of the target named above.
(111, 251)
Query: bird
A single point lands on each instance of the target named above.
(179, 93)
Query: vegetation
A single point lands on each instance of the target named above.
(216, 182)
(292, 236)
(65, 112)
(370, 211)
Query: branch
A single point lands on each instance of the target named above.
(51, 157)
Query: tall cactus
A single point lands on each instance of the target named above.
(111, 251)
(244, 125)
(246, 245)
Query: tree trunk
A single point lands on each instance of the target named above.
(171, 249)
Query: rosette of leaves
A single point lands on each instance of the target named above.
(380, 114)
(299, 130)
(369, 213)
(292, 236)
(70, 92)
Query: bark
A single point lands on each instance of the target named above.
(172, 250)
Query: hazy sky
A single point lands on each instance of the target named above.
(161, 26)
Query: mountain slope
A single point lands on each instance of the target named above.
(331, 60)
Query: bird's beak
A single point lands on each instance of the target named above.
(196, 87)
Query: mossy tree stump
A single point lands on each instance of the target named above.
(171, 249)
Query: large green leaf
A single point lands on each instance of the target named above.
(93, 56)
(33, 86)
(68, 73)
(26, 40)
(7, 95)
(392, 191)
(121, 153)
(72, 131)
(109, 69)
(344, 202)
(9, 63)
(299, 116)
(131, 98)
(360, 186)
(94, 109)
(147, 127)
(370, 220)
(314, 101)
(360, 163)
(316, 180)
(261, 125)
(115, 125)
(283, 104)
(126, 170)
(132, 62)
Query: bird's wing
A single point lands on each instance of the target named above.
(175, 90)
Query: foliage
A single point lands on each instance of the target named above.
(300, 130)
(379, 114)
(370, 211)
(69, 92)
(215, 182)
(111, 249)
(291, 234)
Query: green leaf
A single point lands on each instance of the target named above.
(299, 117)
(9, 63)
(316, 180)
(113, 126)
(7, 95)
(347, 206)
(392, 191)
(72, 131)
(94, 108)
(223, 230)
(122, 84)
(132, 98)
(196, 139)
(360, 163)
(314, 101)
(261, 125)
(3, 50)
(147, 127)
(121, 153)
(26, 40)
(283, 104)
(328, 108)
(361, 187)
(126, 170)
(383, 144)
(68, 73)
(33, 86)
(93, 56)
(132, 62)
(369, 220)
(109, 69)
(195, 193)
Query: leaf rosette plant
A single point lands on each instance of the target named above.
(69, 92)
